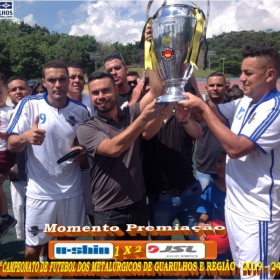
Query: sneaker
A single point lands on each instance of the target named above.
(6, 225)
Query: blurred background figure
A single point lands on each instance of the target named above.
(227, 84)
(31, 84)
(234, 93)
(38, 88)
(132, 77)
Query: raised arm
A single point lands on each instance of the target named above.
(34, 136)
(115, 146)
(191, 126)
(156, 89)
(234, 145)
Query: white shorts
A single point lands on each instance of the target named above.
(253, 241)
(18, 190)
(65, 212)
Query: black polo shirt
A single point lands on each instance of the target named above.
(167, 158)
(124, 99)
(115, 182)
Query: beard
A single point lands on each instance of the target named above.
(108, 109)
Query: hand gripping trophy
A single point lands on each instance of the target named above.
(177, 33)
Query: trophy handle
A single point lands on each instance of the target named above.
(149, 7)
(203, 37)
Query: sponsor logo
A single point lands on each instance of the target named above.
(72, 120)
(6, 10)
(168, 54)
(175, 250)
(240, 114)
(65, 250)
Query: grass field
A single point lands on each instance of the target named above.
(12, 249)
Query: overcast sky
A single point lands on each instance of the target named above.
(123, 21)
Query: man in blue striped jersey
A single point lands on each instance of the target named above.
(45, 125)
(252, 205)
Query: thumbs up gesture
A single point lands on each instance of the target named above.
(36, 135)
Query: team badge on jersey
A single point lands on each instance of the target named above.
(72, 120)
(35, 230)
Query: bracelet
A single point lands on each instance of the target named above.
(185, 122)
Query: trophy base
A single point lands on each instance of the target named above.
(170, 98)
(173, 94)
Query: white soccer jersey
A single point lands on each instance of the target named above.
(5, 116)
(253, 181)
(46, 180)
(86, 101)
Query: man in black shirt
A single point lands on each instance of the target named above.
(115, 65)
(168, 173)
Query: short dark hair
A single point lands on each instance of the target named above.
(263, 52)
(38, 84)
(132, 73)
(235, 93)
(114, 56)
(100, 75)
(216, 74)
(3, 78)
(54, 64)
(74, 65)
(17, 78)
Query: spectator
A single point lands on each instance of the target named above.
(234, 93)
(132, 78)
(17, 90)
(115, 65)
(76, 86)
(212, 202)
(7, 158)
(75, 91)
(208, 148)
(38, 88)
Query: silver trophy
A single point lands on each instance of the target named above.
(175, 43)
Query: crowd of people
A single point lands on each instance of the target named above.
(135, 157)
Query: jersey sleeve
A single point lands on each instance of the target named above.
(263, 126)
(227, 110)
(20, 121)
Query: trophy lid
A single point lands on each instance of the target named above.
(175, 10)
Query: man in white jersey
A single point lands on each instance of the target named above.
(253, 148)
(75, 91)
(45, 125)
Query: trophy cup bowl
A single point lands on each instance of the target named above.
(172, 34)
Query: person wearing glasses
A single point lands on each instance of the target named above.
(132, 78)
(111, 140)
(127, 94)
